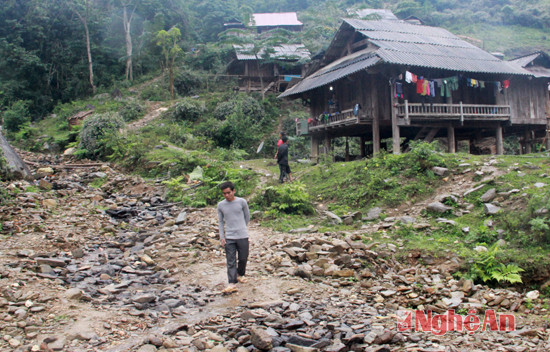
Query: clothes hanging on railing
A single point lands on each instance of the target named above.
(398, 90)
(445, 86)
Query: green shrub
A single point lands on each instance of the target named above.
(188, 109)
(188, 82)
(482, 235)
(3, 174)
(132, 110)
(155, 92)
(244, 104)
(16, 116)
(289, 198)
(98, 134)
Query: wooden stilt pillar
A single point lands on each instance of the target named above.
(347, 149)
(315, 149)
(396, 137)
(548, 135)
(527, 141)
(451, 141)
(375, 135)
(500, 143)
(362, 145)
(327, 145)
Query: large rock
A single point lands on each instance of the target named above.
(440, 171)
(491, 209)
(489, 195)
(15, 167)
(438, 207)
(373, 214)
(261, 339)
(333, 217)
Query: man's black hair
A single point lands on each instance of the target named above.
(284, 139)
(227, 184)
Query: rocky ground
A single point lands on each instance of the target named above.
(117, 268)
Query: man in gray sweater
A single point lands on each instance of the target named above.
(233, 217)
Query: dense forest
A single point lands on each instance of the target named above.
(54, 51)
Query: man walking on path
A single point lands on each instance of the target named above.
(282, 160)
(233, 217)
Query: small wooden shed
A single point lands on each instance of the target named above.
(275, 67)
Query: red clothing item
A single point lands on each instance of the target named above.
(506, 83)
(419, 86)
(279, 143)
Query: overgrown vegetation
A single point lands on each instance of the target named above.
(204, 189)
(98, 133)
(288, 198)
(386, 179)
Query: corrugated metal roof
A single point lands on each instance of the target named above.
(415, 45)
(525, 60)
(275, 19)
(528, 63)
(411, 45)
(281, 52)
(332, 73)
(399, 27)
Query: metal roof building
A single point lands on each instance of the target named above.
(275, 19)
(382, 79)
(404, 44)
(280, 52)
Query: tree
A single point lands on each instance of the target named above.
(168, 41)
(82, 10)
(127, 22)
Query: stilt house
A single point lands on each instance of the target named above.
(271, 69)
(401, 81)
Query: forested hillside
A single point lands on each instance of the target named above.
(58, 50)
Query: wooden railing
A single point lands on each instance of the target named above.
(453, 111)
(344, 118)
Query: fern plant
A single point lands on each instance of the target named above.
(487, 268)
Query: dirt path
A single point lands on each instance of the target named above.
(107, 268)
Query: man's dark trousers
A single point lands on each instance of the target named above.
(232, 248)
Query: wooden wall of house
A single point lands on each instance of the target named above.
(370, 90)
(527, 99)
(252, 69)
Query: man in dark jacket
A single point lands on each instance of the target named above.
(282, 160)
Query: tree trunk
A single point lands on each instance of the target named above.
(171, 71)
(15, 168)
(90, 64)
(261, 77)
(127, 22)
(84, 20)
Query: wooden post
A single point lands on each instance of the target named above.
(527, 141)
(347, 149)
(407, 121)
(461, 114)
(327, 144)
(362, 145)
(451, 141)
(547, 134)
(314, 148)
(375, 116)
(500, 144)
(396, 138)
